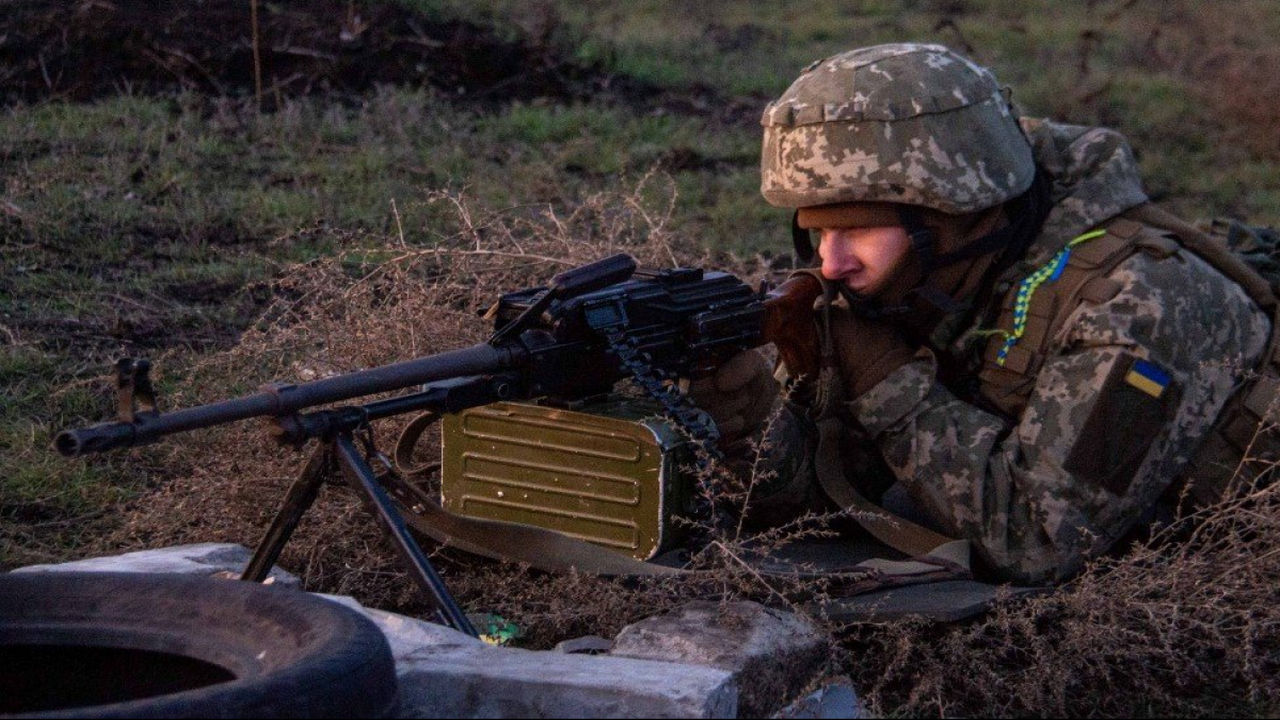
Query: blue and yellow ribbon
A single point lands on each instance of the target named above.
(1049, 272)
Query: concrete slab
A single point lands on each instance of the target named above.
(407, 635)
(224, 559)
(772, 654)
(444, 673)
(495, 682)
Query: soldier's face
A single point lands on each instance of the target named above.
(864, 259)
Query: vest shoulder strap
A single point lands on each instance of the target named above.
(1210, 249)
(1008, 372)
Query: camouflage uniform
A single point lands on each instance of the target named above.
(1003, 482)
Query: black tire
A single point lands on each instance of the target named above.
(106, 645)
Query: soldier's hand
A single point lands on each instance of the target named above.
(868, 350)
(738, 395)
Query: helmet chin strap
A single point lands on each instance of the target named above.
(1026, 214)
(801, 241)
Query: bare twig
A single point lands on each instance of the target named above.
(257, 55)
(13, 338)
(399, 228)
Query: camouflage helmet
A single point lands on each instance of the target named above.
(902, 123)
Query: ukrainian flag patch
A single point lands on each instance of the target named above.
(1132, 410)
(1148, 377)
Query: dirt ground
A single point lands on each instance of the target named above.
(85, 50)
(99, 48)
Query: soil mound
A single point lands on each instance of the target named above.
(93, 48)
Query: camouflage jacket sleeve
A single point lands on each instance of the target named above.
(1031, 493)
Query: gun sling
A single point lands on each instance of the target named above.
(892, 530)
(907, 537)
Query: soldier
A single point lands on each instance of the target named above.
(1006, 329)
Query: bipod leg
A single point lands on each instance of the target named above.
(362, 479)
(296, 503)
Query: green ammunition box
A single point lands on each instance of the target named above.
(608, 472)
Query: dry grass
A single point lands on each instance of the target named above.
(363, 308)
(1186, 624)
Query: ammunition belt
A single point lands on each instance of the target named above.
(677, 406)
(658, 385)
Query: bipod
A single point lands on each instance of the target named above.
(337, 450)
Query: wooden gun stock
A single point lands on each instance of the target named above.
(789, 324)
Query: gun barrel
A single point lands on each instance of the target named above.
(283, 399)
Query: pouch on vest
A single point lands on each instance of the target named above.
(1240, 452)
(1243, 447)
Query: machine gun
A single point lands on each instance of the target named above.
(591, 327)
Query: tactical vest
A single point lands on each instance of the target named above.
(1009, 372)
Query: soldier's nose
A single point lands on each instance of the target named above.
(838, 263)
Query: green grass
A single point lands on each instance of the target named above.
(144, 224)
(51, 498)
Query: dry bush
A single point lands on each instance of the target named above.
(1185, 624)
(370, 306)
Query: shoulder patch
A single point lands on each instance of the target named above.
(1132, 409)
